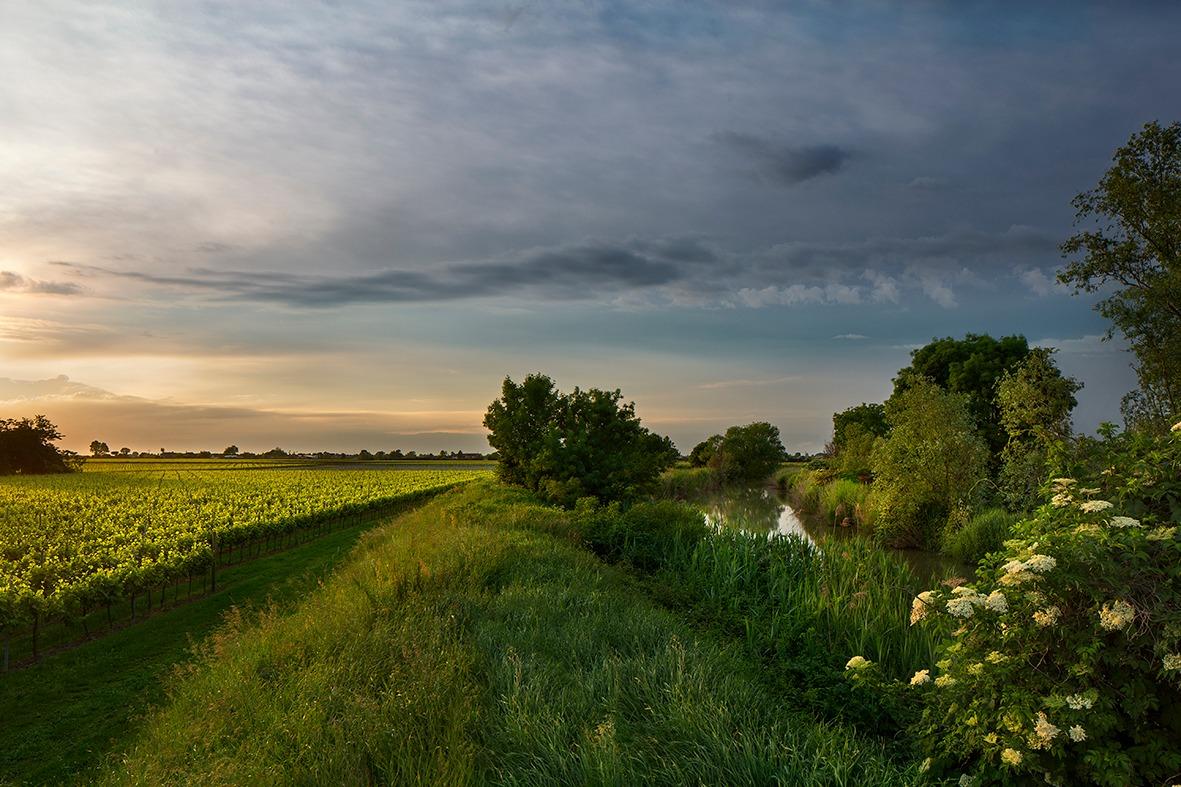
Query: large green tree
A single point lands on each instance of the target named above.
(870, 417)
(26, 447)
(566, 446)
(748, 453)
(970, 366)
(1131, 248)
(1035, 402)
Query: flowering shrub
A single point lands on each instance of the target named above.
(1065, 663)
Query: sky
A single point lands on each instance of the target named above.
(339, 225)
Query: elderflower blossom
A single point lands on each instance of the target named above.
(1116, 616)
(996, 602)
(1172, 661)
(921, 677)
(1043, 732)
(1124, 521)
(1176, 427)
(921, 606)
(1079, 702)
(1061, 500)
(945, 680)
(1046, 617)
(996, 657)
(967, 780)
(1078, 734)
(1017, 577)
(1088, 529)
(961, 607)
(1161, 534)
(1040, 563)
(1091, 490)
(1011, 757)
(1013, 567)
(976, 669)
(857, 663)
(1062, 483)
(1094, 506)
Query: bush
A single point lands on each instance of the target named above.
(1066, 667)
(646, 535)
(748, 453)
(983, 533)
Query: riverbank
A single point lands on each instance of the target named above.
(479, 640)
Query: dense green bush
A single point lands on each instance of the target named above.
(645, 535)
(1066, 666)
(929, 464)
(983, 533)
(748, 454)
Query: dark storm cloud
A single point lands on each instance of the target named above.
(783, 164)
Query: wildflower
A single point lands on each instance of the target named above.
(1116, 616)
(1035, 596)
(963, 590)
(1094, 506)
(1046, 617)
(1091, 490)
(921, 606)
(1161, 534)
(967, 780)
(991, 738)
(921, 677)
(1079, 702)
(944, 681)
(1062, 483)
(960, 607)
(1078, 734)
(1061, 500)
(1172, 661)
(1011, 757)
(1040, 563)
(857, 663)
(976, 669)
(1176, 427)
(996, 657)
(997, 602)
(1088, 529)
(1013, 567)
(1044, 731)
(1124, 521)
(1016, 578)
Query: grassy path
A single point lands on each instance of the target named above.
(61, 716)
(472, 642)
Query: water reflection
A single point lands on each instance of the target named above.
(769, 511)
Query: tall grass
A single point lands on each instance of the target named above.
(475, 641)
(842, 498)
(985, 532)
(687, 483)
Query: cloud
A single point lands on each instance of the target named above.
(926, 183)
(851, 336)
(14, 282)
(1037, 282)
(783, 164)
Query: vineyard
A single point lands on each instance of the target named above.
(74, 544)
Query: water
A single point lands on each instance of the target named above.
(769, 511)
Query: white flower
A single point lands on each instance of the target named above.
(921, 677)
(1013, 567)
(945, 680)
(858, 662)
(1091, 490)
(1061, 500)
(961, 607)
(1040, 563)
(1176, 427)
(1078, 734)
(996, 657)
(1172, 661)
(1045, 731)
(921, 606)
(967, 780)
(1161, 534)
(1062, 483)
(1116, 616)
(1124, 521)
(1079, 702)
(1046, 617)
(1094, 506)
(1011, 757)
(997, 602)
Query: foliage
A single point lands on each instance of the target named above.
(26, 447)
(870, 418)
(1035, 402)
(748, 453)
(685, 483)
(930, 463)
(971, 366)
(842, 499)
(643, 535)
(985, 532)
(704, 451)
(78, 541)
(854, 457)
(567, 446)
(1066, 667)
(1134, 244)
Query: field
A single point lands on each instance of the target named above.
(73, 544)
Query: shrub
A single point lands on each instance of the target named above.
(983, 533)
(1066, 666)
(646, 535)
(748, 453)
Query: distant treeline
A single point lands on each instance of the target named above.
(278, 453)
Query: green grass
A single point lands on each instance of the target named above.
(60, 716)
(844, 498)
(687, 483)
(475, 641)
(985, 532)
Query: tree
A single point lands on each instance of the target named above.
(124, 451)
(99, 448)
(26, 446)
(970, 366)
(927, 466)
(1035, 402)
(870, 417)
(704, 451)
(1134, 244)
(586, 443)
(231, 450)
(748, 453)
